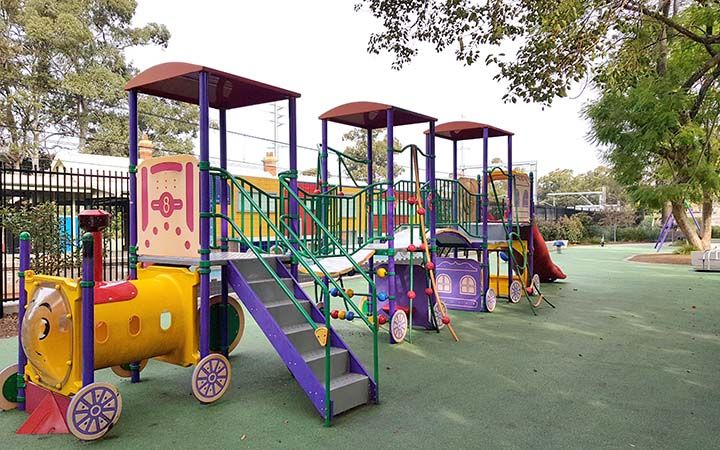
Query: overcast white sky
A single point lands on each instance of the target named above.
(318, 48)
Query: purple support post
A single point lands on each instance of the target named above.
(510, 211)
(391, 215)
(22, 302)
(224, 196)
(484, 215)
(323, 200)
(430, 176)
(371, 205)
(324, 159)
(531, 237)
(87, 325)
(204, 166)
(133, 153)
(455, 184)
(132, 173)
(294, 217)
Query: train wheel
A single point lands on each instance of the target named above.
(211, 378)
(399, 326)
(8, 383)
(515, 291)
(535, 282)
(538, 297)
(123, 370)
(236, 323)
(438, 316)
(93, 411)
(490, 300)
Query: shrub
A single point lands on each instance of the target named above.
(716, 232)
(683, 247)
(48, 237)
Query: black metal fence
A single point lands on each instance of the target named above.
(554, 212)
(67, 192)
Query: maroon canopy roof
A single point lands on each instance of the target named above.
(464, 130)
(179, 81)
(372, 115)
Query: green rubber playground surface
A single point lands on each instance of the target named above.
(629, 359)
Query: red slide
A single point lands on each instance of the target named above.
(543, 265)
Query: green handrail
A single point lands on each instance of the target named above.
(282, 178)
(298, 253)
(297, 256)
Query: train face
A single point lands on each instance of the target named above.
(47, 334)
(155, 316)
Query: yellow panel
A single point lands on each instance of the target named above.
(168, 206)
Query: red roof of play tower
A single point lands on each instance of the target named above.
(372, 115)
(464, 130)
(179, 81)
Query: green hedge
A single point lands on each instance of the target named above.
(577, 229)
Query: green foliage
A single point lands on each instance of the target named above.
(48, 237)
(357, 148)
(637, 234)
(683, 248)
(584, 229)
(658, 114)
(565, 228)
(63, 72)
(555, 42)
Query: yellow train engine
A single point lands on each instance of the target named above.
(69, 328)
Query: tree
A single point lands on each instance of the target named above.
(617, 217)
(656, 62)
(63, 74)
(357, 148)
(658, 116)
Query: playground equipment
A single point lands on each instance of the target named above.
(404, 282)
(469, 222)
(707, 260)
(180, 228)
(668, 227)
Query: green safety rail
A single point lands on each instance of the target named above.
(466, 214)
(251, 226)
(354, 219)
(281, 236)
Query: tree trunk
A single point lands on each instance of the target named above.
(687, 225)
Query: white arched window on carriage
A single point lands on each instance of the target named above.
(444, 284)
(468, 285)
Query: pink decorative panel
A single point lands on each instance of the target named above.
(168, 206)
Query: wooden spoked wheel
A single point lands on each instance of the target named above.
(211, 378)
(490, 300)
(93, 411)
(515, 293)
(399, 326)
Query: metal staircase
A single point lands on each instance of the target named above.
(331, 376)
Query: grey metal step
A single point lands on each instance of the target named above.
(269, 291)
(349, 391)
(302, 337)
(286, 313)
(253, 270)
(339, 362)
